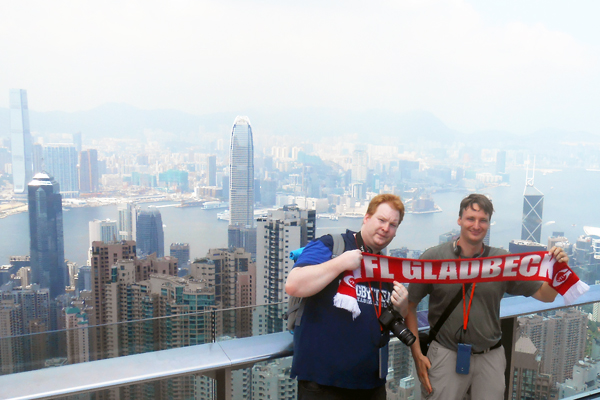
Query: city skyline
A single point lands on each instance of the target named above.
(132, 104)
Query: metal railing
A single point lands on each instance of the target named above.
(217, 360)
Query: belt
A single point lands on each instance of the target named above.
(494, 347)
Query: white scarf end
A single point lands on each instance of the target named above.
(575, 291)
(347, 303)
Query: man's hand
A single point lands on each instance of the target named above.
(400, 299)
(311, 279)
(559, 254)
(423, 364)
(351, 259)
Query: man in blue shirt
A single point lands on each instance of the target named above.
(336, 356)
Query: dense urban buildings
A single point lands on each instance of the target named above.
(560, 340)
(280, 190)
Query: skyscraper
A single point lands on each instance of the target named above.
(48, 267)
(88, 171)
(241, 174)
(104, 256)
(20, 136)
(103, 231)
(127, 221)
(528, 382)
(241, 231)
(232, 273)
(181, 251)
(78, 341)
(280, 232)
(533, 208)
(560, 338)
(150, 237)
(60, 161)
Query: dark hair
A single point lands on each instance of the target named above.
(484, 203)
(393, 200)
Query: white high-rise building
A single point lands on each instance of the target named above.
(103, 231)
(20, 136)
(280, 232)
(241, 174)
(127, 221)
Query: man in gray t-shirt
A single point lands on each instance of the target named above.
(481, 314)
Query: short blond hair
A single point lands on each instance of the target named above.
(393, 200)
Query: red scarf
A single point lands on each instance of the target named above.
(535, 266)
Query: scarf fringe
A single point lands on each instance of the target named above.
(347, 303)
(575, 291)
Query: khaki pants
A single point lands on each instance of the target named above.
(485, 378)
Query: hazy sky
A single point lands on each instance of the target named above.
(517, 65)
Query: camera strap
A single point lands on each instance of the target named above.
(365, 249)
(378, 307)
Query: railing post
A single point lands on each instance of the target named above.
(213, 325)
(509, 331)
(223, 378)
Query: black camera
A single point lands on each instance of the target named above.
(392, 320)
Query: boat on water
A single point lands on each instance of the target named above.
(211, 205)
(353, 214)
(224, 216)
(191, 203)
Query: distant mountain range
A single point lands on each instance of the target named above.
(378, 126)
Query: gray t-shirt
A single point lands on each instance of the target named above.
(483, 330)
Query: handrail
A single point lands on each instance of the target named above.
(205, 358)
(128, 370)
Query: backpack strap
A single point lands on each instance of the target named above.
(339, 246)
(296, 304)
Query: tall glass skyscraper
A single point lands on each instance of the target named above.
(150, 236)
(60, 161)
(533, 208)
(242, 231)
(20, 136)
(48, 267)
(241, 174)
